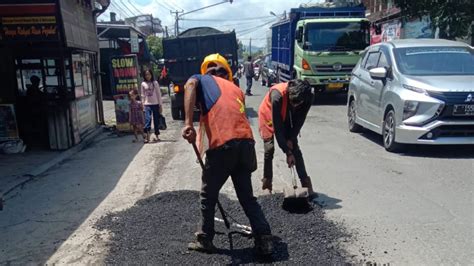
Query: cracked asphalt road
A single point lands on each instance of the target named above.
(410, 208)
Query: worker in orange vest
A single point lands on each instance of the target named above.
(281, 115)
(230, 149)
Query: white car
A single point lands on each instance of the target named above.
(414, 91)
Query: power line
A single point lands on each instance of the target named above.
(163, 6)
(121, 4)
(226, 19)
(136, 9)
(256, 28)
(172, 5)
(121, 11)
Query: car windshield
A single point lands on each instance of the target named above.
(336, 36)
(423, 61)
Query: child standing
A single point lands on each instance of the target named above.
(136, 116)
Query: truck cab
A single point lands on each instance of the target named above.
(326, 51)
(184, 54)
(320, 45)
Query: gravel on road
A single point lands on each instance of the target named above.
(158, 229)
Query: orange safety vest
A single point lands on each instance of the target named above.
(265, 120)
(226, 120)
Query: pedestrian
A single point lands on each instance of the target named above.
(281, 115)
(249, 73)
(231, 150)
(152, 102)
(136, 116)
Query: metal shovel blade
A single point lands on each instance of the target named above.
(296, 200)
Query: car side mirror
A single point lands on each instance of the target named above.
(378, 73)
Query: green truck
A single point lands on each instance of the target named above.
(320, 45)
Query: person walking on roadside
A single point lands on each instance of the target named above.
(152, 102)
(231, 150)
(249, 73)
(281, 115)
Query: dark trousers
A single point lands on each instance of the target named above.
(249, 84)
(269, 148)
(238, 160)
(152, 111)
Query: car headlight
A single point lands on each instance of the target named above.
(415, 89)
(409, 109)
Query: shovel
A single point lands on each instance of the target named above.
(296, 199)
(245, 229)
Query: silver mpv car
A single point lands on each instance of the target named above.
(415, 91)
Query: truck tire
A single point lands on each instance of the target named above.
(175, 113)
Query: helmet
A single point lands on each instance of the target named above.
(218, 60)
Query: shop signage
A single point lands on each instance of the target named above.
(122, 110)
(418, 28)
(135, 48)
(29, 22)
(391, 31)
(124, 70)
(8, 125)
(85, 114)
(124, 78)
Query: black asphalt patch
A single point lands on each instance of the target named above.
(157, 230)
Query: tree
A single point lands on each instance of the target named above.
(452, 17)
(156, 46)
(241, 49)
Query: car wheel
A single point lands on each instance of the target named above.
(388, 133)
(351, 118)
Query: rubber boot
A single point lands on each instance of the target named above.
(202, 244)
(306, 182)
(264, 245)
(267, 184)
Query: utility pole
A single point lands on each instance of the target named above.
(166, 32)
(176, 23)
(250, 46)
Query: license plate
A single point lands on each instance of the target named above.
(335, 86)
(463, 109)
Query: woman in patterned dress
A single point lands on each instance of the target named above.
(136, 116)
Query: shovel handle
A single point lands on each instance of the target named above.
(219, 205)
(198, 155)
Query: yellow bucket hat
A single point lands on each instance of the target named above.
(218, 60)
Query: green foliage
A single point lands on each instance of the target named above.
(452, 17)
(156, 46)
(241, 49)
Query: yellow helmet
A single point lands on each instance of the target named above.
(218, 60)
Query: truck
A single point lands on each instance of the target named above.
(184, 54)
(320, 45)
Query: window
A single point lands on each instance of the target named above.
(383, 62)
(372, 60)
(45, 70)
(82, 68)
(336, 36)
(437, 61)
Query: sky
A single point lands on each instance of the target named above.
(249, 18)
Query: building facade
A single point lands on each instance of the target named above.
(49, 70)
